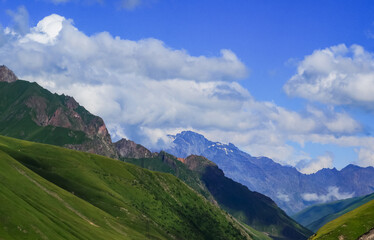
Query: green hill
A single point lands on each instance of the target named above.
(351, 225)
(30, 112)
(167, 163)
(251, 208)
(318, 215)
(48, 192)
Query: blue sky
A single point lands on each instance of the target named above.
(277, 78)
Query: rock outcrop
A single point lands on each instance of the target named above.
(129, 149)
(7, 75)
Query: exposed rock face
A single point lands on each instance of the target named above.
(129, 149)
(6, 75)
(99, 146)
(66, 115)
(197, 163)
(368, 236)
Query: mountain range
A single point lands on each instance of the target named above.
(290, 189)
(87, 196)
(30, 112)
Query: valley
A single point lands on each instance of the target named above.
(186, 196)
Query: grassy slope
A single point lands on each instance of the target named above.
(168, 164)
(252, 208)
(29, 210)
(316, 216)
(119, 198)
(350, 225)
(248, 207)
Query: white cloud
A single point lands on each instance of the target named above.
(145, 90)
(314, 165)
(332, 194)
(365, 157)
(338, 75)
(283, 197)
(46, 31)
(130, 83)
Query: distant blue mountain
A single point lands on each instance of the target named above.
(290, 189)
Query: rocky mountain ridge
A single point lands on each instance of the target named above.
(129, 149)
(30, 112)
(7, 75)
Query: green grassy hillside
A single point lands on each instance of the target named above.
(251, 208)
(167, 163)
(316, 216)
(33, 208)
(48, 192)
(349, 226)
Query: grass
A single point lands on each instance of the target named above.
(29, 210)
(351, 225)
(48, 192)
(253, 209)
(167, 163)
(318, 215)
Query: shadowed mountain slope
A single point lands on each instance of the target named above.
(251, 208)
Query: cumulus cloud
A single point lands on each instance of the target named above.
(134, 83)
(45, 31)
(145, 90)
(337, 75)
(331, 195)
(314, 165)
(114, 58)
